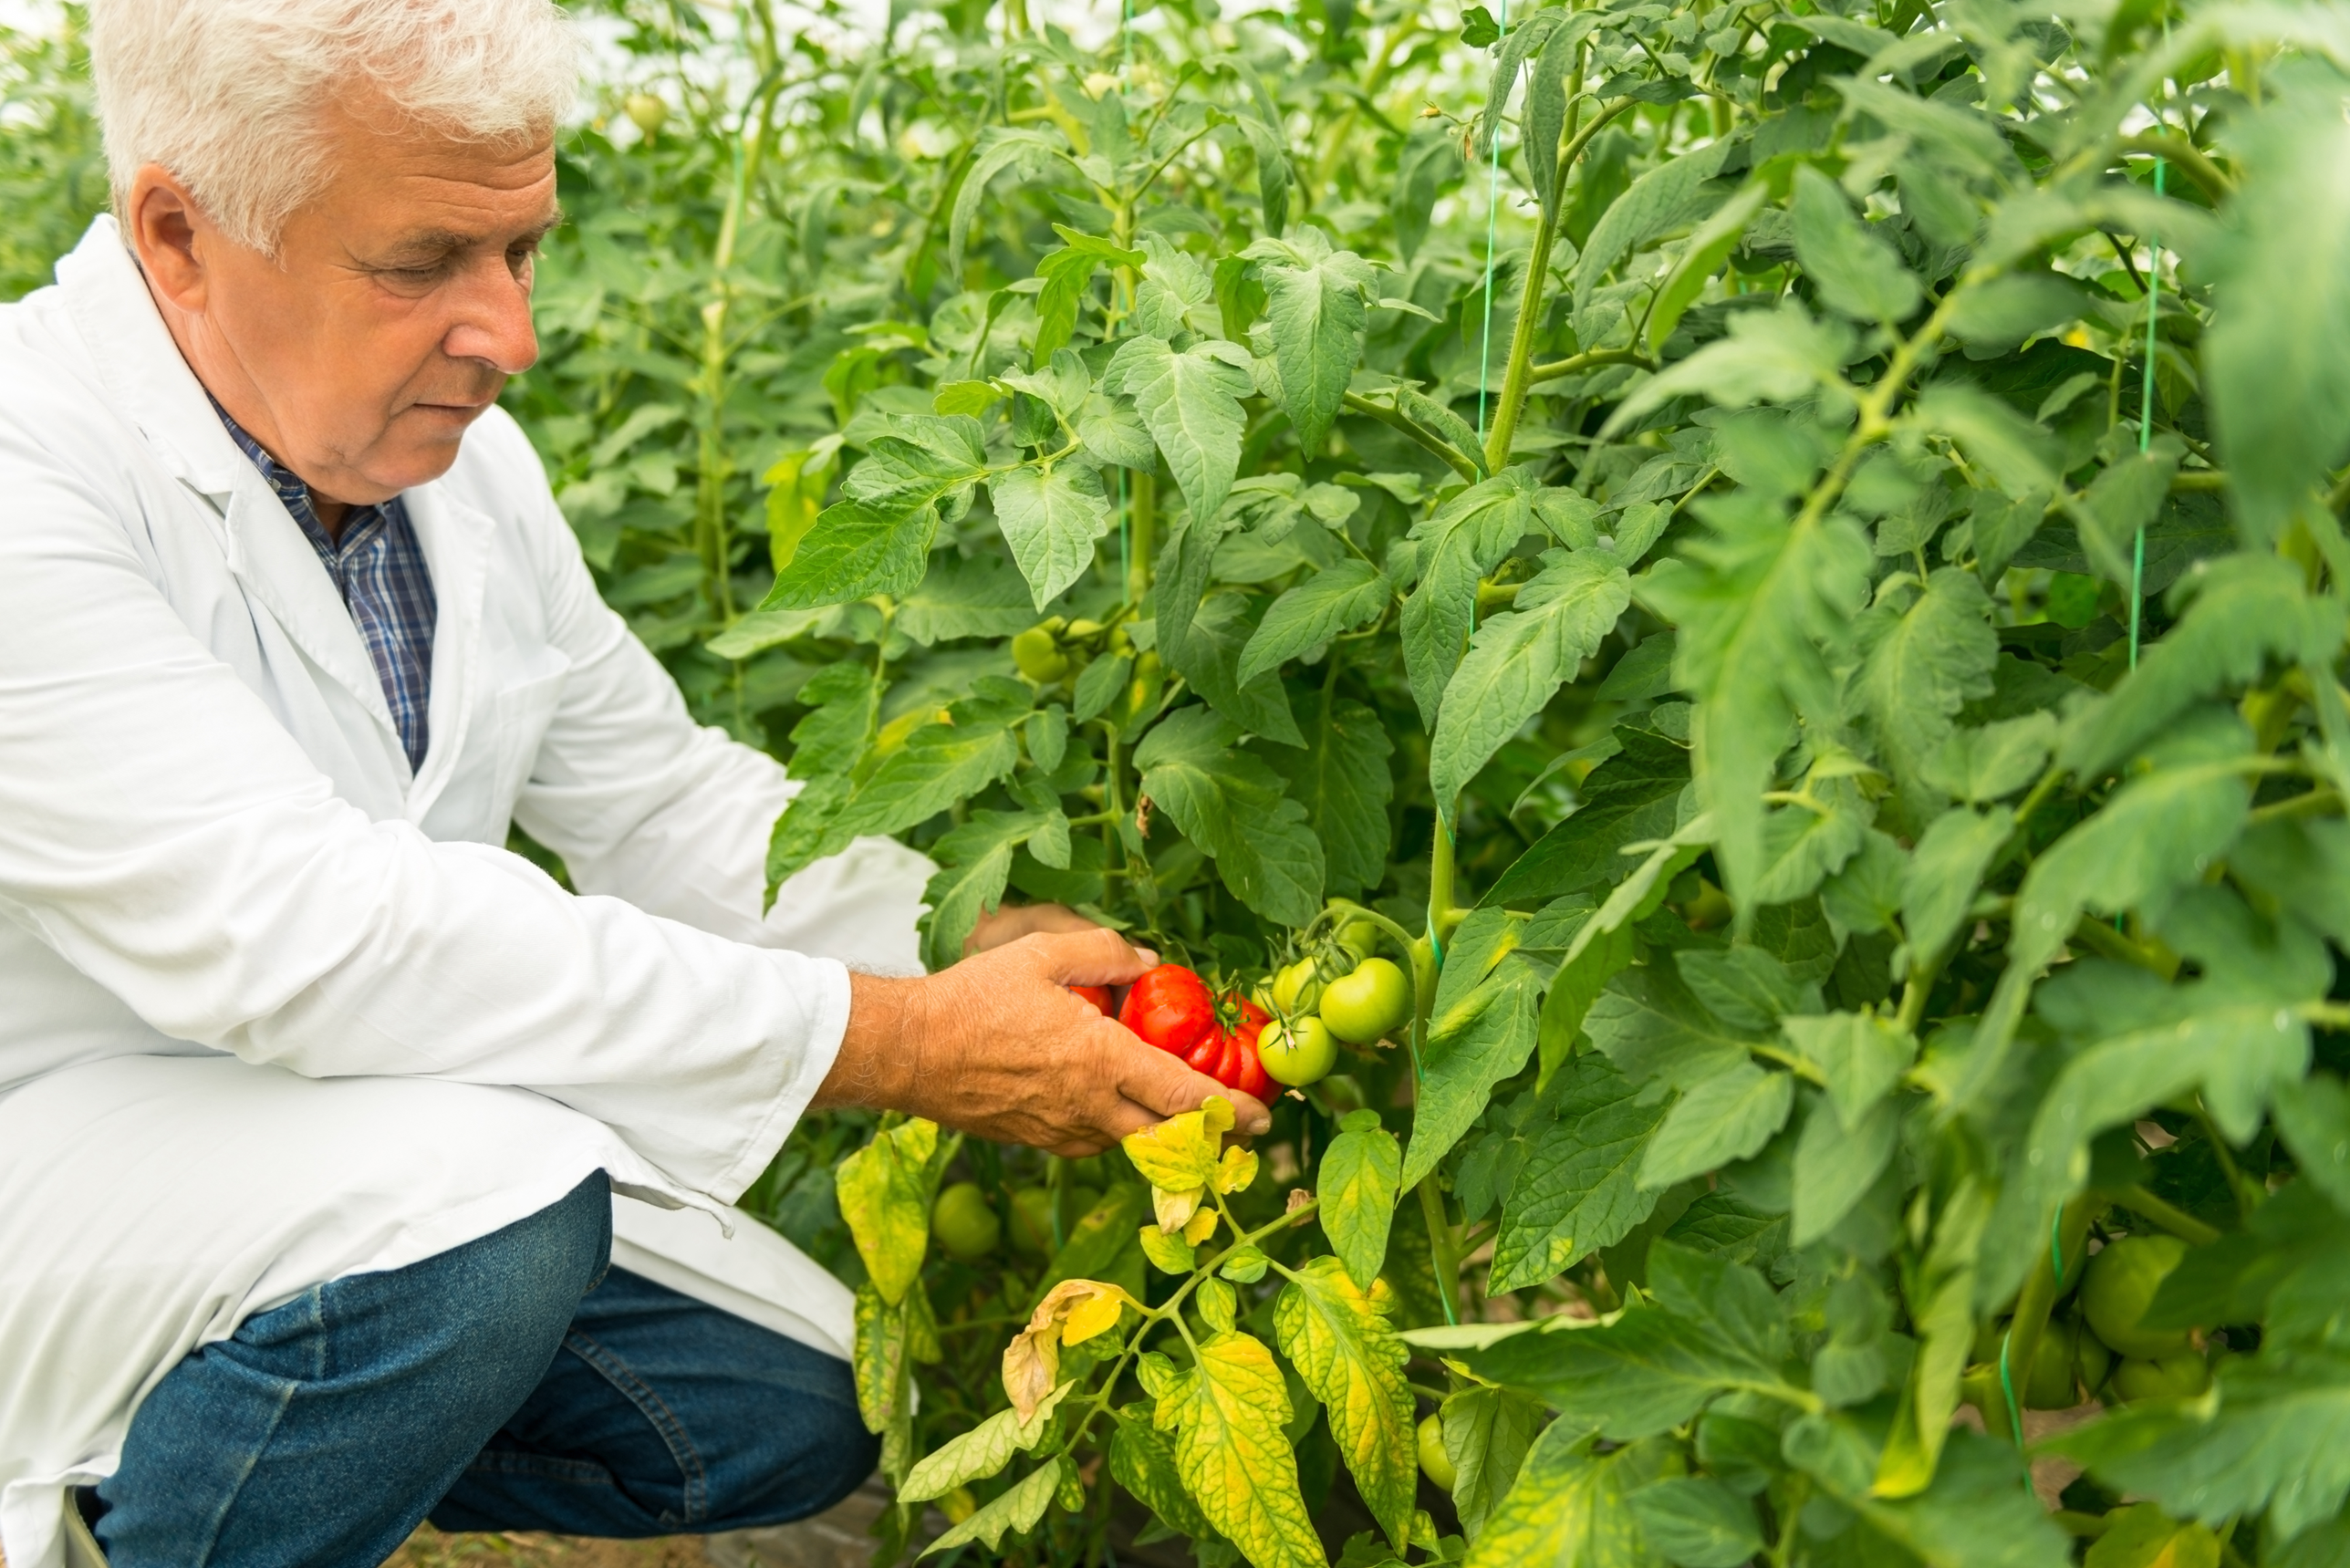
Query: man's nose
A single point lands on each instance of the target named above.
(493, 320)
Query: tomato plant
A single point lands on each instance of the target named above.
(1779, 562)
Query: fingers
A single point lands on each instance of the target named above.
(1095, 957)
(1056, 918)
(1162, 1086)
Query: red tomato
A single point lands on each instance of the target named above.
(1249, 1076)
(1170, 1007)
(1099, 996)
(1235, 1065)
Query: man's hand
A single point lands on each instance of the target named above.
(997, 1046)
(1010, 922)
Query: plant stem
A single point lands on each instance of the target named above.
(2040, 1292)
(1443, 1247)
(1144, 525)
(1522, 340)
(1574, 364)
(2175, 1221)
(1462, 462)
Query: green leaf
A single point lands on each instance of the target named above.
(2240, 613)
(1466, 538)
(1714, 1325)
(938, 765)
(1487, 1432)
(1945, 868)
(1985, 764)
(2016, 454)
(974, 861)
(1337, 598)
(1517, 661)
(1172, 283)
(1228, 1413)
(978, 595)
(1230, 803)
(854, 551)
(925, 460)
(1473, 1044)
(1728, 1116)
(1836, 1164)
(1670, 196)
(1859, 1057)
(1000, 147)
(982, 1451)
(1925, 662)
(1357, 1183)
(1141, 1462)
(1052, 519)
(2277, 378)
(1576, 1192)
(1856, 272)
(1754, 622)
(1994, 317)
(1629, 798)
(1067, 274)
(1102, 1243)
(884, 1190)
(1210, 659)
(1866, 894)
(1345, 785)
(1697, 1522)
(1015, 1513)
(1316, 304)
(1569, 1509)
(1708, 248)
(1573, 990)
(1191, 404)
(1779, 355)
(1337, 1336)
(1745, 987)
(1654, 1031)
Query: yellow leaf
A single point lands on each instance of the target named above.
(1201, 1226)
(1092, 1317)
(1173, 1210)
(1236, 1171)
(882, 1197)
(1235, 1457)
(1568, 1505)
(1168, 1255)
(1181, 1152)
(1337, 1336)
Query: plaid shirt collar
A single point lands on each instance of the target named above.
(379, 570)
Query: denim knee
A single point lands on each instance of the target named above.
(320, 1432)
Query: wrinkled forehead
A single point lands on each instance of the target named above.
(399, 184)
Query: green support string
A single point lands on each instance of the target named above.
(1493, 227)
(2006, 1382)
(2146, 418)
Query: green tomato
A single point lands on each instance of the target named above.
(2120, 1285)
(1360, 938)
(2070, 1358)
(1032, 1217)
(1369, 1005)
(964, 1223)
(1040, 657)
(1297, 989)
(2180, 1377)
(649, 112)
(1434, 1462)
(1297, 1052)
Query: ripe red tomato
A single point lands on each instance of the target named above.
(1245, 1068)
(1235, 1065)
(1170, 1007)
(1096, 994)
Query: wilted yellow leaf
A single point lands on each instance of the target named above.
(1173, 1210)
(1181, 1152)
(881, 1195)
(1200, 1227)
(1071, 1313)
(1032, 1365)
(1235, 1457)
(1236, 1171)
(1092, 1317)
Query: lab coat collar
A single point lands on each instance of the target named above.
(146, 377)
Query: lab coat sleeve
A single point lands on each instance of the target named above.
(165, 836)
(645, 805)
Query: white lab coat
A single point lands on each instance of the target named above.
(274, 1010)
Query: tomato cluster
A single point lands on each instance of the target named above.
(1173, 1009)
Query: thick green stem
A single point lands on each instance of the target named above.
(1462, 462)
(2041, 1289)
(1142, 538)
(2175, 1221)
(1443, 1247)
(1516, 377)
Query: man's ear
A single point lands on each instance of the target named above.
(170, 237)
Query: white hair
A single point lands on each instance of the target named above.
(228, 94)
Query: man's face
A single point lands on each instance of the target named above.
(397, 307)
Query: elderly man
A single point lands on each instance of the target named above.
(314, 1101)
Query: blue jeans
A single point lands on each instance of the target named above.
(516, 1382)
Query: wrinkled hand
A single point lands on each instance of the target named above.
(1010, 922)
(998, 1047)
